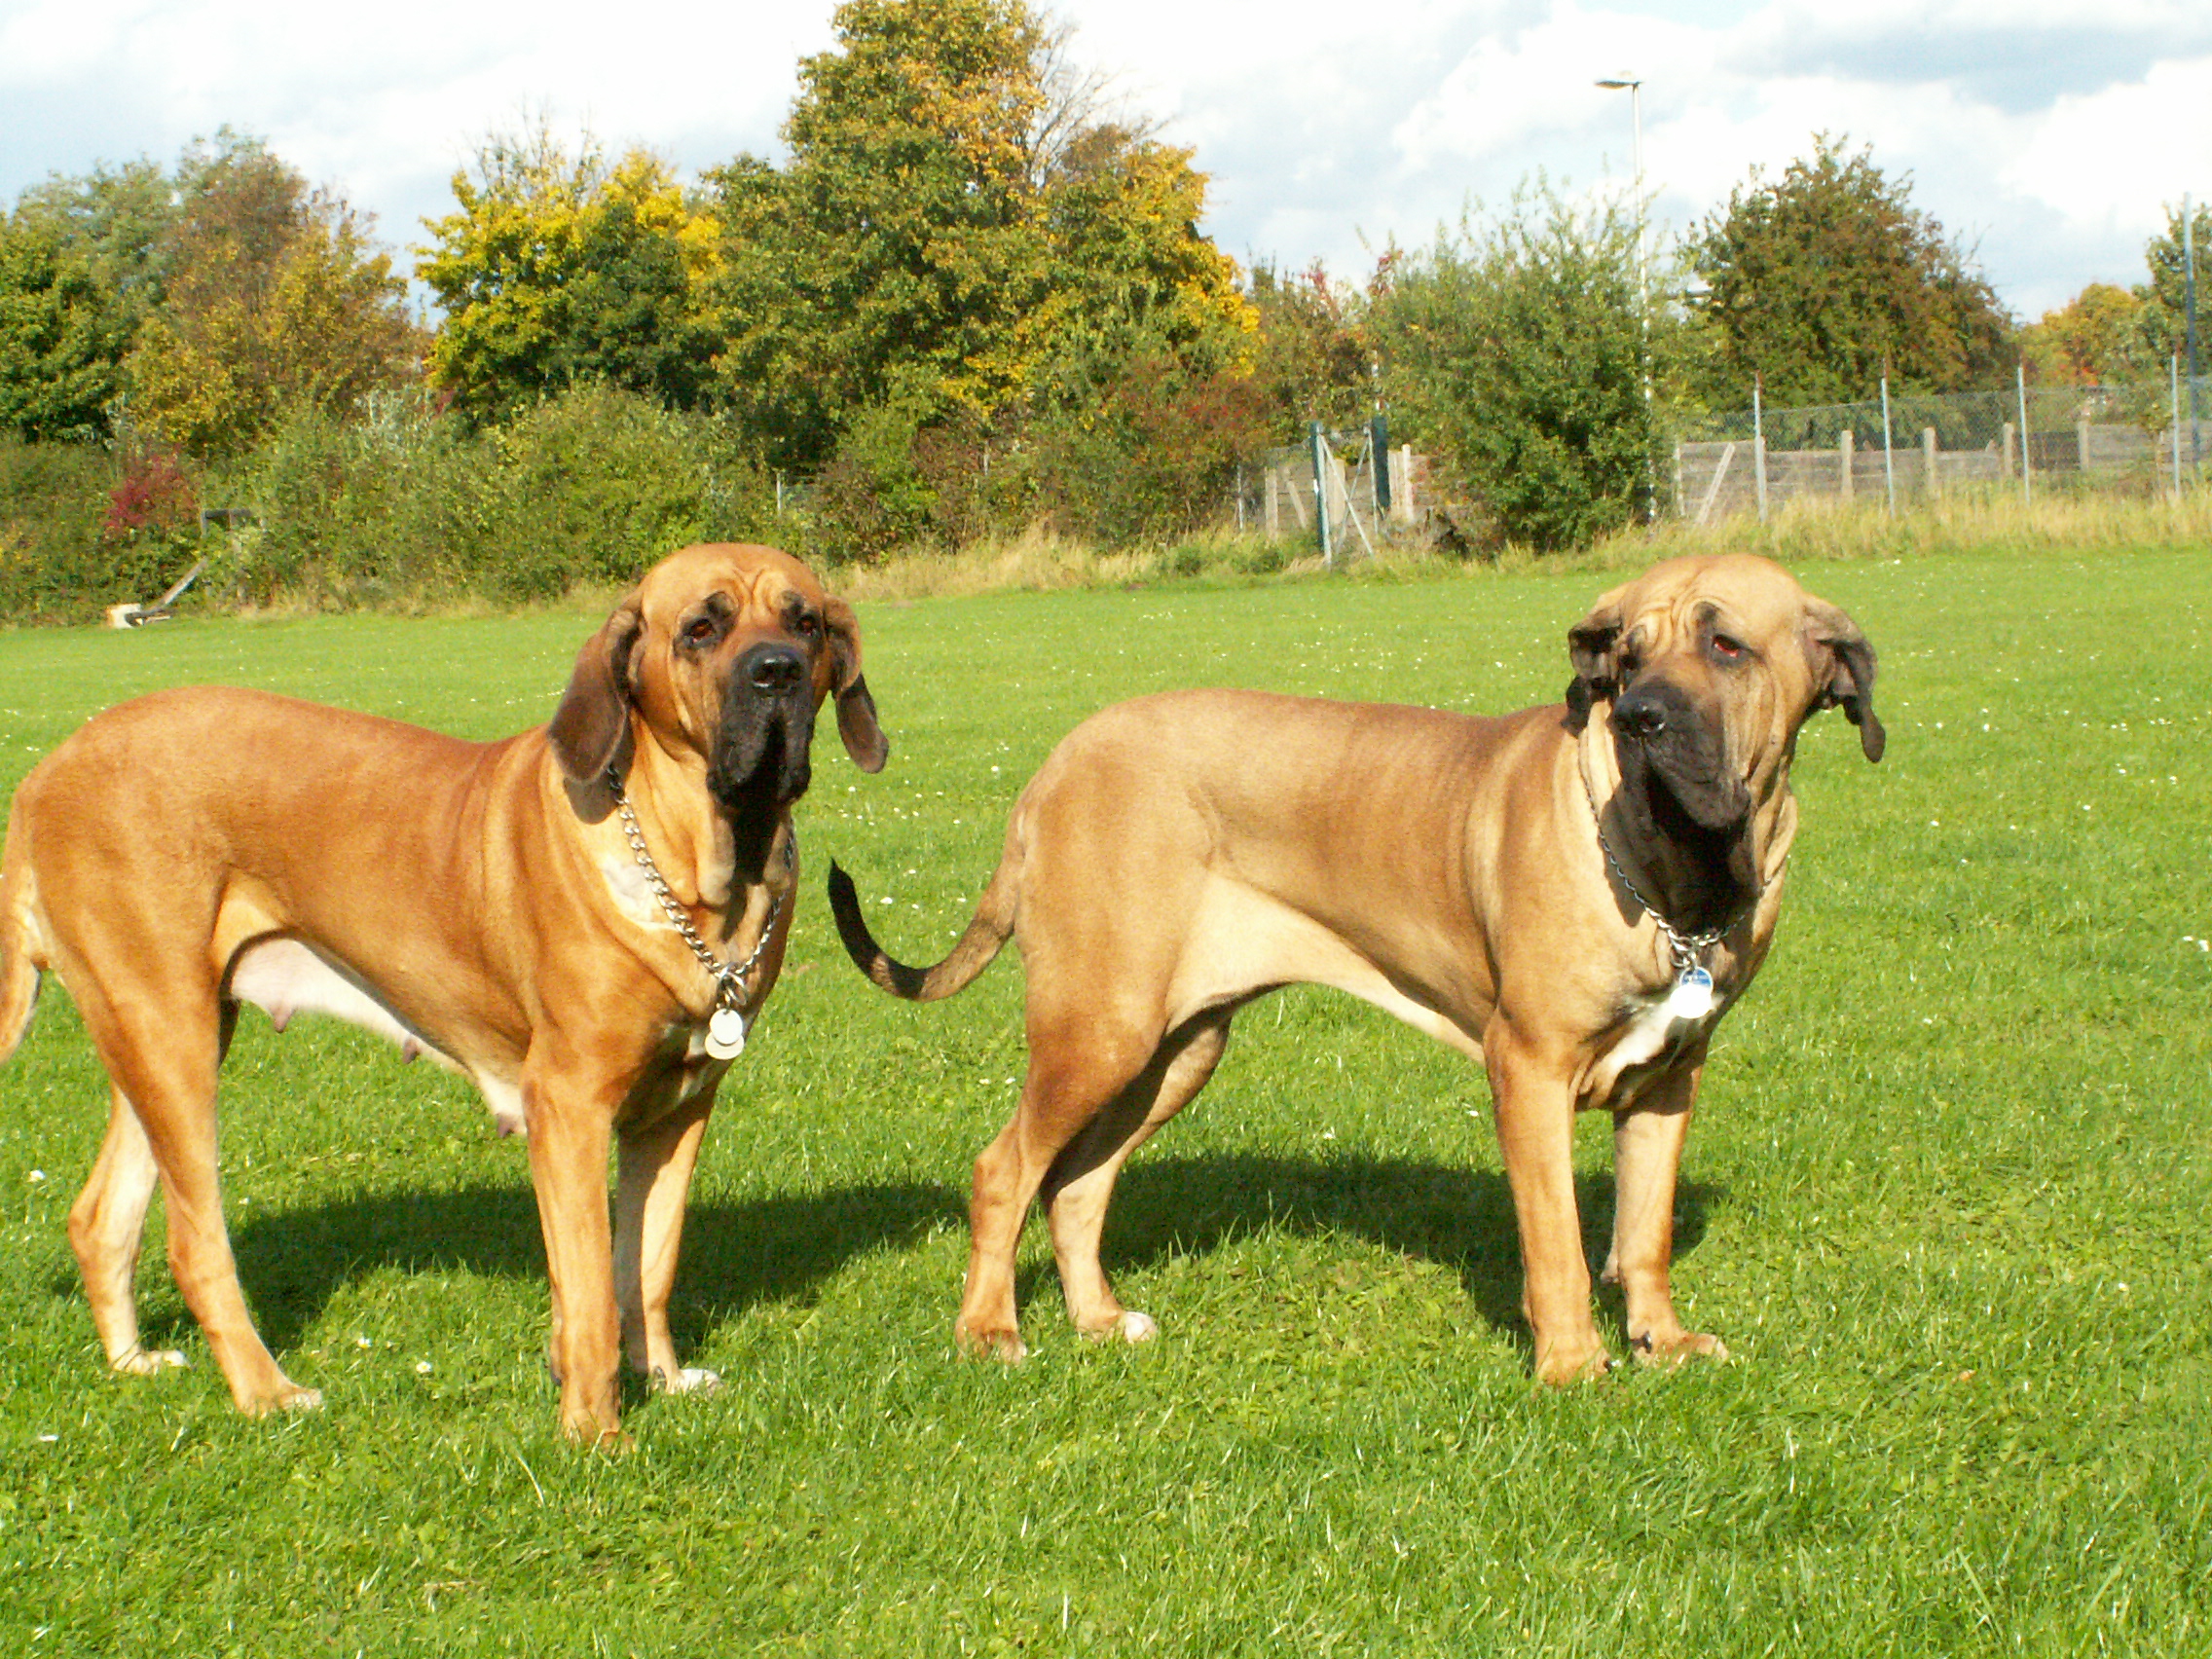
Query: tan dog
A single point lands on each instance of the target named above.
(483, 903)
(1180, 855)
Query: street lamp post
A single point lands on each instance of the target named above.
(1634, 86)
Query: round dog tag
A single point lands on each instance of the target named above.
(1692, 995)
(726, 1034)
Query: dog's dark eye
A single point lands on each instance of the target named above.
(1725, 649)
(701, 631)
(806, 625)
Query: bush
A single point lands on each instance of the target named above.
(81, 529)
(590, 486)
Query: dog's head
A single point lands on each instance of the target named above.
(725, 651)
(1703, 669)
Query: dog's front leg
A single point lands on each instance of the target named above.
(569, 1128)
(656, 1164)
(1534, 1110)
(1647, 1155)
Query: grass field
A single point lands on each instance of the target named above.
(1947, 1201)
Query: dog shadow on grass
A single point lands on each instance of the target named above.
(1457, 1217)
(784, 1249)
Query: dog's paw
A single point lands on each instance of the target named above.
(1004, 1346)
(1670, 1351)
(689, 1380)
(148, 1362)
(1130, 1326)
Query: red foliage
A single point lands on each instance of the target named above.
(153, 494)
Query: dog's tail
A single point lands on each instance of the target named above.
(987, 932)
(18, 964)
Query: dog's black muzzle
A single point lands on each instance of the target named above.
(1662, 740)
(761, 758)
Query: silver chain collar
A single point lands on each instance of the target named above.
(730, 978)
(1685, 950)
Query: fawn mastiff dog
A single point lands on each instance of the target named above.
(1574, 894)
(582, 919)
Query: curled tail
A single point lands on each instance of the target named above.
(992, 924)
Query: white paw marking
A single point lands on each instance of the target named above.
(303, 1400)
(1135, 1327)
(690, 1380)
(149, 1362)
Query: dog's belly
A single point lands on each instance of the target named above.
(1242, 941)
(285, 979)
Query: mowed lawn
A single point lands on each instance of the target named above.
(1946, 1200)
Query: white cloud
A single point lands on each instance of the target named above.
(2052, 135)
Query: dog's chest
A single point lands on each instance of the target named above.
(1654, 1032)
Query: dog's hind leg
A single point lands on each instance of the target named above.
(107, 1224)
(1080, 1184)
(161, 1044)
(1076, 1069)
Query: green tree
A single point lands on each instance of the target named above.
(274, 298)
(1312, 358)
(1817, 280)
(557, 269)
(896, 259)
(63, 335)
(958, 237)
(1515, 351)
(2162, 297)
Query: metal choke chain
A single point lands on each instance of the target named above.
(729, 978)
(1685, 951)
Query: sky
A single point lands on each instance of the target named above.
(2046, 135)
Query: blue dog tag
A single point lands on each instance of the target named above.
(1692, 995)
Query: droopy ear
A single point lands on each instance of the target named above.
(857, 723)
(1592, 646)
(1843, 670)
(590, 734)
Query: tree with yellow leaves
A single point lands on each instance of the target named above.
(558, 270)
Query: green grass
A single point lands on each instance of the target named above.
(1945, 1199)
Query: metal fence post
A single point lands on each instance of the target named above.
(1321, 447)
(1758, 448)
(2027, 437)
(2173, 421)
(1889, 448)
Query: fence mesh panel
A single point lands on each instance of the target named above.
(2121, 438)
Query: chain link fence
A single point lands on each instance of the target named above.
(1898, 450)
(1350, 492)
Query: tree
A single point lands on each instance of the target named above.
(63, 336)
(1312, 358)
(896, 258)
(1516, 350)
(1817, 281)
(2096, 337)
(557, 269)
(82, 264)
(274, 300)
(958, 236)
(2163, 297)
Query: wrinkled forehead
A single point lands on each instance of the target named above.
(761, 583)
(1734, 593)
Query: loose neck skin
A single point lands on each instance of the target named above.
(729, 863)
(1698, 877)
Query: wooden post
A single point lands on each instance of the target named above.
(1928, 461)
(2081, 445)
(1843, 444)
(1682, 506)
(1270, 514)
(2011, 439)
